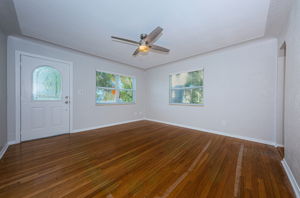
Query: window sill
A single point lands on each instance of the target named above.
(181, 104)
(109, 104)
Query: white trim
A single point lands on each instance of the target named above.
(291, 178)
(18, 89)
(105, 125)
(186, 104)
(276, 99)
(12, 143)
(3, 150)
(216, 132)
(115, 73)
(278, 145)
(187, 71)
(18, 95)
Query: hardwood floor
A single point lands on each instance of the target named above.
(281, 151)
(142, 159)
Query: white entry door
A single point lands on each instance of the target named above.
(45, 93)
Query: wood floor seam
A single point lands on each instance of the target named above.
(238, 171)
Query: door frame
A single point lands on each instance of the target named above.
(18, 55)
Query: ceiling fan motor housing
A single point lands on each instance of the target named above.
(143, 36)
(146, 42)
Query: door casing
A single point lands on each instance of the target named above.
(18, 55)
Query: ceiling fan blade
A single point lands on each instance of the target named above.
(136, 52)
(158, 48)
(152, 36)
(126, 40)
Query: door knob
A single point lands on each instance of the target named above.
(66, 102)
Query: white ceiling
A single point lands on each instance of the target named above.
(191, 27)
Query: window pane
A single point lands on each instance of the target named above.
(195, 78)
(196, 96)
(178, 80)
(106, 95)
(105, 80)
(47, 84)
(187, 96)
(126, 82)
(126, 96)
(187, 79)
(113, 88)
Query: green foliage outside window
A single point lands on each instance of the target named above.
(126, 82)
(105, 80)
(187, 88)
(194, 79)
(112, 88)
(126, 96)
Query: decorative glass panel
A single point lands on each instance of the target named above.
(105, 80)
(126, 96)
(47, 84)
(106, 95)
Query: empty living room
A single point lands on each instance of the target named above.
(150, 99)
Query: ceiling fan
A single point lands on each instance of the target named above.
(146, 42)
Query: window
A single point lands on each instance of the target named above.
(187, 88)
(47, 84)
(114, 88)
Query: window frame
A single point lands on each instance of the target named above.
(185, 88)
(117, 89)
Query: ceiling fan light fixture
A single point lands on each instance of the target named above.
(144, 48)
(146, 42)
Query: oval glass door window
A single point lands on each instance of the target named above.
(47, 84)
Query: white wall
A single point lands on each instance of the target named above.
(239, 91)
(3, 91)
(86, 114)
(292, 91)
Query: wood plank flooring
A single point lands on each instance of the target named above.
(281, 151)
(143, 160)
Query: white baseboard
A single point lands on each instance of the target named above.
(216, 132)
(76, 131)
(105, 125)
(12, 142)
(3, 150)
(291, 178)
